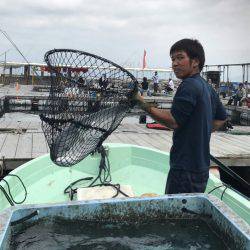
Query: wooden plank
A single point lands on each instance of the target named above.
(39, 145)
(35, 126)
(239, 141)
(10, 145)
(24, 146)
(216, 144)
(2, 141)
(20, 124)
(167, 137)
(229, 146)
(4, 123)
(154, 140)
(234, 149)
(136, 139)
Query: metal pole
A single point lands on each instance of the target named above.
(219, 80)
(4, 63)
(227, 73)
(224, 74)
(247, 73)
(243, 73)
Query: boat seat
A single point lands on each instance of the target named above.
(103, 192)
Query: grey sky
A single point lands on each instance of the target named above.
(120, 29)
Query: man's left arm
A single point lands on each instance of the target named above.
(220, 117)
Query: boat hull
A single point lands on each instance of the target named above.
(144, 169)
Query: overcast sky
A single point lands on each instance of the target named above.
(121, 29)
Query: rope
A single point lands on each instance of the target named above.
(223, 192)
(9, 196)
(71, 191)
(103, 177)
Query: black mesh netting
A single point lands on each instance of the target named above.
(89, 97)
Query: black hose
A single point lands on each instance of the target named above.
(27, 217)
(66, 190)
(25, 190)
(7, 196)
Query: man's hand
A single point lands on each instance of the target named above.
(217, 124)
(138, 98)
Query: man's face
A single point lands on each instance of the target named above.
(183, 66)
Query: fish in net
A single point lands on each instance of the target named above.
(89, 97)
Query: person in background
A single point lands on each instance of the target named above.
(213, 85)
(240, 95)
(247, 87)
(103, 81)
(81, 82)
(210, 82)
(170, 85)
(144, 86)
(195, 113)
(155, 80)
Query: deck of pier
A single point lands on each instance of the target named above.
(22, 139)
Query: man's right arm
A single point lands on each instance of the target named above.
(164, 117)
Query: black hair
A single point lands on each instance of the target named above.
(192, 47)
(144, 79)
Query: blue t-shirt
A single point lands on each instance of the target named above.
(194, 108)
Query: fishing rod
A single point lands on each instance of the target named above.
(230, 172)
(14, 45)
(19, 51)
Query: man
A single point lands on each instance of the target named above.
(170, 85)
(103, 81)
(144, 86)
(155, 79)
(247, 87)
(240, 95)
(196, 112)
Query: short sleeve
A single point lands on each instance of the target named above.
(184, 102)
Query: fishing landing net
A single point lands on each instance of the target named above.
(89, 97)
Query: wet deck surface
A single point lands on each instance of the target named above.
(21, 138)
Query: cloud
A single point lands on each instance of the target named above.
(120, 30)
